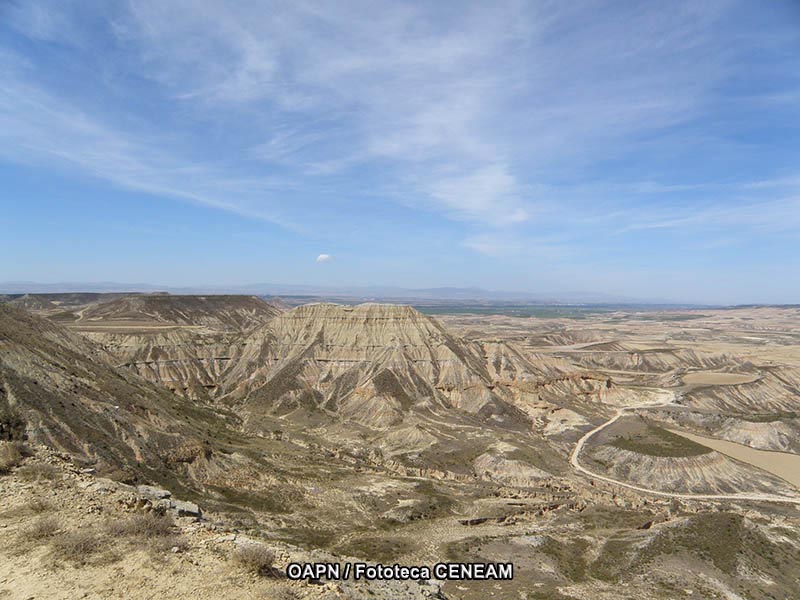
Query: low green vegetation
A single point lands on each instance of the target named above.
(308, 537)
(12, 425)
(281, 501)
(662, 317)
(655, 441)
(569, 556)
(614, 560)
(608, 517)
(768, 417)
(724, 540)
(382, 549)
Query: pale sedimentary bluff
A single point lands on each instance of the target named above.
(187, 362)
(384, 383)
(708, 473)
(392, 369)
(628, 357)
(372, 364)
(217, 312)
(184, 343)
(57, 388)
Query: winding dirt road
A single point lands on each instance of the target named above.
(573, 459)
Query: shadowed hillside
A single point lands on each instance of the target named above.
(216, 312)
(57, 388)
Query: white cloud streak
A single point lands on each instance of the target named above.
(430, 95)
(459, 111)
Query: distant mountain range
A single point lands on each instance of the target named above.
(385, 293)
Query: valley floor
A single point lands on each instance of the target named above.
(597, 454)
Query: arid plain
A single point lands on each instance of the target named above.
(609, 453)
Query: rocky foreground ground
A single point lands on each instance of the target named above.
(65, 534)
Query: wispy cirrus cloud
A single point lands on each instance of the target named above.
(774, 214)
(499, 116)
(489, 194)
(37, 127)
(417, 91)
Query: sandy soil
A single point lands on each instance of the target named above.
(714, 378)
(784, 465)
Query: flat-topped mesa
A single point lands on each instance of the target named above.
(380, 316)
(372, 363)
(371, 310)
(363, 326)
(348, 333)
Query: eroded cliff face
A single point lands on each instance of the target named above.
(370, 363)
(386, 372)
(217, 312)
(624, 357)
(709, 473)
(376, 364)
(185, 361)
(65, 393)
(184, 343)
(777, 390)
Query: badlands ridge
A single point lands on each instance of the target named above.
(379, 433)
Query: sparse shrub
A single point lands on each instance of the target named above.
(39, 472)
(255, 558)
(146, 525)
(122, 476)
(12, 425)
(383, 549)
(168, 543)
(11, 455)
(43, 528)
(188, 453)
(77, 546)
(38, 506)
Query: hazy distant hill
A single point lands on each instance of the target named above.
(357, 293)
(219, 312)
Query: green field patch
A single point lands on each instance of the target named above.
(655, 441)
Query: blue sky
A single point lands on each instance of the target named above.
(643, 149)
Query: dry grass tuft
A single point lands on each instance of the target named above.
(38, 506)
(11, 455)
(34, 506)
(39, 472)
(77, 546)
(43, 528)
(146, 525)
(255, 558)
